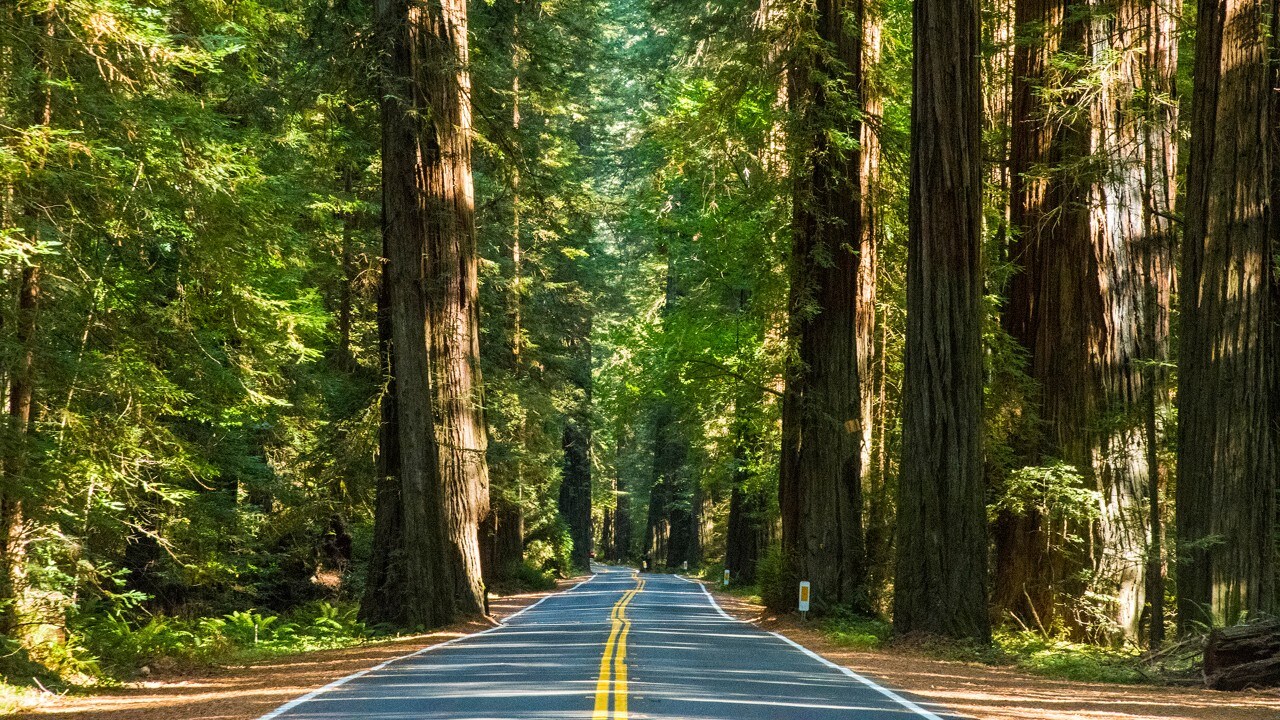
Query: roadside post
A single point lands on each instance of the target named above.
(684, 565)
(726, 577)
(804, 599)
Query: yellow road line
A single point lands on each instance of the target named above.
(613, 663)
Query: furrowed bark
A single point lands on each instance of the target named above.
(820, 489)
(1227, 460)
(940, 586)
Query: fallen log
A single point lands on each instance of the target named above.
(1243, 656)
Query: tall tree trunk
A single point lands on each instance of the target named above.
(21, 375)
(575, 484)
(443, 95)
(747, 534)
(820, 488)
(1134, 132)
(869, 349)
(1227, 460)
(1049, 215)
(413, 577)
(13, 541)
(940, 586)
(1092, 194)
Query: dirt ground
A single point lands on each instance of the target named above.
(999, 693)
(246, 692)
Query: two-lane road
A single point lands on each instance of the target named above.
(620, 645)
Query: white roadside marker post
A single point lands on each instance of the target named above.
(804, 599)
(684, 565)
(726, 577)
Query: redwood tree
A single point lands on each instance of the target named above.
(1227, 460)
(940, 586)
(426, 564)
(820, 489)
(1092, 178)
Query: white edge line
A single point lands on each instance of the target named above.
(864, 680)
(356, 675)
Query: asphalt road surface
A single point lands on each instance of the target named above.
(620, 645)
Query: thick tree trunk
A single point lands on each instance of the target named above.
(443, 97)
(1092, 193)
(747, 535)
(13, 540)
(940, 585)
(622, 513)
(427, 565)
(1134, 130)
(1045, 297)
(1227, 460)
(820, 489)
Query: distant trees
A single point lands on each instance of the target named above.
(941, 581)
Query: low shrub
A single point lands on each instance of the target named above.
(119, 648)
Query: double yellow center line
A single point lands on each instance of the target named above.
(613, 664)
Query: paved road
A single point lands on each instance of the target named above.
(621, 645)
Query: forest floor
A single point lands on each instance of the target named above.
(986, 692)
(248, 691)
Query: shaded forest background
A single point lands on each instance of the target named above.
(692, 224)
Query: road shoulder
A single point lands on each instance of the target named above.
(985, 692)
(246, 692)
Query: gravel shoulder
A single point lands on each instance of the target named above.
(246, 692)
(985, 692)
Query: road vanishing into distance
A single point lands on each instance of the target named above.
(619, 645)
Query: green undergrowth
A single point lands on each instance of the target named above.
(1080, 662)
(524, 577)
(104, 650)
(1027, 651)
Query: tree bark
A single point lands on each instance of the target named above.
(1093, 189)
(1046, 296)
(22, 374)
(1227, 460)
(747, 534)
(13, 540)
(575, 484)
(425, 566)
(940, 586)
(443, 100)
(820, 488)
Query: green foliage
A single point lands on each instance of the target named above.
(855, 632)
(777, 588)
(118, 648)
(1071, 661)
(1056, 492)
